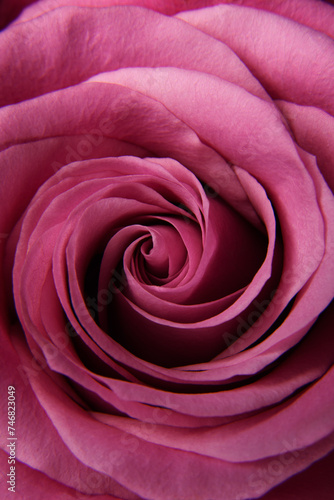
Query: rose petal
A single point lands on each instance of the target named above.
(313, 130)
(276, 43)
(97, 35)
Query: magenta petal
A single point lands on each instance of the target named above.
(315, 481)
(313, 129)
(267, 54)
(98, 34)
(166, 239)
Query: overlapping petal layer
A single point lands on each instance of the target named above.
(169, 243)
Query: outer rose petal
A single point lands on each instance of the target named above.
(164, 464)
(33, 485)
(271, 45)
(168, 7)
(40, 446)
(97, 36)
(192, 454)
(316, 481)
(314, 131)
(314, 13)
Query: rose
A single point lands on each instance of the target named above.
(167, 250)
(232, 427)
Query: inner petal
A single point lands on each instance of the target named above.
(164, 254)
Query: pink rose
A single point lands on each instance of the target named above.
(167, 261)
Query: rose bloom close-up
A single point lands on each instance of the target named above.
(167, 249)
